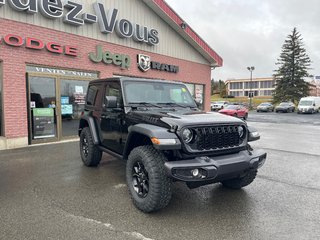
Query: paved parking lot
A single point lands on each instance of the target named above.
(294, 118)
(46, 193)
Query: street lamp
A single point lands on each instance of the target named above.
(250, 93)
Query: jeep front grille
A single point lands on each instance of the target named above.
(217, 137)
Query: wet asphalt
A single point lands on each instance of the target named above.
(46, 193)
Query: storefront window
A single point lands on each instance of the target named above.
(73, 93)
(199, 94)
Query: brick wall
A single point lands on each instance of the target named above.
(15, 60)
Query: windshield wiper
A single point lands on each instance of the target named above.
(146, 104)
(174, 104)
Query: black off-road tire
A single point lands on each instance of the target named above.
(240, 182)
(159, 191)
(90, 153)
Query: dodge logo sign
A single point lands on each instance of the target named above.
(144, 62)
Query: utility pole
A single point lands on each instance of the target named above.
(250, 93)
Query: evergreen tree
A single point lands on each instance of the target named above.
(294, 64)
(219, 88)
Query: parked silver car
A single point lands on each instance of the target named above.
(265, 107)
(285, 107)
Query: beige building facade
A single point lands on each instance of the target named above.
(258, 86)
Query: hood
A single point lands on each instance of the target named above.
(181, 118)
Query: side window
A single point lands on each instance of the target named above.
(114, 89)
(91, 95)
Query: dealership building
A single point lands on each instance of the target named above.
(50, 50)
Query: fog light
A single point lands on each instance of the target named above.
(195, 172)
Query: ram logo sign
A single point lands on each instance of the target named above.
(145, 63)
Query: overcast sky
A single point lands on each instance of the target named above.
(251, 32)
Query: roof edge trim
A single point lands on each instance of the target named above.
(188, 33)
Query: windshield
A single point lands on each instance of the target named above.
(232, 107)
(221, 102)
(265, 104)
(136, 92)
(305, 103)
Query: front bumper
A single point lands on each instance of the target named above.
(305, 110)
(216, 108)
(264, 109)
(216, 168)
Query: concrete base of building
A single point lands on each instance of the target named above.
(10, 143)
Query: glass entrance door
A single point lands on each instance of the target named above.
(72, 100)
(42, 109)
(55, 105)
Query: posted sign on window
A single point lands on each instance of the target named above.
(43, 123)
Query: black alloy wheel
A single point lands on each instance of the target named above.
(147, 180)
(140, 179)
(85, 147)
(90, 153)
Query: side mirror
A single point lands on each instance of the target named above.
(111, 102)
(314, 104)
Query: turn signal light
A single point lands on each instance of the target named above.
(155, 141)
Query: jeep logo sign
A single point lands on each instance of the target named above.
(72, 13)
(108, 58)
(145, 63)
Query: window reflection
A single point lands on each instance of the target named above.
(72, 99)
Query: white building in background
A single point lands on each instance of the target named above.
(242, 87)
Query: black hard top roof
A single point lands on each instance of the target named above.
(133, 79)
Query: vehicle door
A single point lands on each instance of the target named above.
(112, 114)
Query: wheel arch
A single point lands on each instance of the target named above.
(89, 122)
(141, 134)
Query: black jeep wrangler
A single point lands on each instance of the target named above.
(157, 128)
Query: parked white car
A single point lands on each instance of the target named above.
(219, 105)
(309, 105)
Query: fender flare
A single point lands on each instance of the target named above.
(151, 131)
(93, 126)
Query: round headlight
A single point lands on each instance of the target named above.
(187, 135)
(240, 131)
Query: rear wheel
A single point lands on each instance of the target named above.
(240, 182)
(147, 181)
(90, 153)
